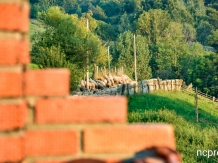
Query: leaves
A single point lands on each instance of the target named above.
(170, 35)
(213, 39)
(75, 45)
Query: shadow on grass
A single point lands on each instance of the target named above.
(146, 102)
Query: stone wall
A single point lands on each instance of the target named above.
(141, 87)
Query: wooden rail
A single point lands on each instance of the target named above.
(190, 90)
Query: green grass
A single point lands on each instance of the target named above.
(35, 26)
(33, 66)
(178, 109)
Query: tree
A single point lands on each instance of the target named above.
(68, 33)
(151, 24)
(99, 13)
(213, 39)
(203, 30)
(124, 23)
(106, 31)
(213, 17)
(189, 33)
(203, 74)
(123, 55)
(111, 8)
(170, 49)
(69, 6)
(143, 58)
(53, 58)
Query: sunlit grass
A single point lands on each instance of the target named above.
(178, 109)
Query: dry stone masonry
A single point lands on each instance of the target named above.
(125, 86)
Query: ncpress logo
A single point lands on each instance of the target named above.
(207, 153)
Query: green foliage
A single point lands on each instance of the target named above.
(124, 23)
(189, 32)
(151, 24)
(178, 109)
(124, 55)
(143, 57)
(203, 74)
(203, 30)
(175, 30)
(53, 58)
(98, 13)
(111, 8)
(106, 31)
(75, 45)
(33, 66)
(213, 17)
(35, 26)
(170, 50)
(213, 39)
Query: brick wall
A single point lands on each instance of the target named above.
(40, 122)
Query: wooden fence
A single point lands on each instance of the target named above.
(190, 90)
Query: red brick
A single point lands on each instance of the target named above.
(14, 52)
(50, 82)
(44, 143)
(85, 161)
(13, 115)
(128, 139)
(81, 110)
(10, 16)
(24, 20)
(43, 161)
(10, 84)
(11, 149)
(9, 51)
(24, 57)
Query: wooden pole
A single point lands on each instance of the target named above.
(108, 60)
(97, 70)
(105, 71)
(84, 74)
(196, 104)
(135, 58)
(87, 61)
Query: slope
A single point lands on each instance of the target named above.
(178, 109)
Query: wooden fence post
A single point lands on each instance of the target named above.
(196, 104)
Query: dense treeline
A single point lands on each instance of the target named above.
(175, 38)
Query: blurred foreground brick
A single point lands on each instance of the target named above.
(128, 139)
(10, 84)
(81, 110)
(50, 82)
(43, 143)
(13, 116)
(11, 149)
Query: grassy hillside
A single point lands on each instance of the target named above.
(35, 26)
(178, 109)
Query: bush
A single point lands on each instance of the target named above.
(54, 58)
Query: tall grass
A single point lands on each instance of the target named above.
(178, 109)
(179, 102)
